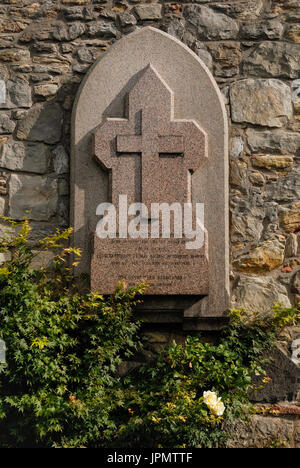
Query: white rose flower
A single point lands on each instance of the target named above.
(219, 408)
(210, 398)
(214, 403)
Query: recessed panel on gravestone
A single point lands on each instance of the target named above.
(168, 151)
(165, 264)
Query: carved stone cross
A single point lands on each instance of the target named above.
(170, 150)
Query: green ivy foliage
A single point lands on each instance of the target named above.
(166, 400)
(63, 348)
(60, 386)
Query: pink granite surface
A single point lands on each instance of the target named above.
(165, 264)
(151, 157)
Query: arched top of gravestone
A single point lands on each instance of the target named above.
(113, 74)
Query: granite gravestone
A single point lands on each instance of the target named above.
(149, 123)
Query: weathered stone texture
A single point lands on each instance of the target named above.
(151, 11)
(14, 55)
(3, 185)
(265, 257)
(32, 196)
(227, 58)
(42, 123)
(127, 20)
(269, 161)
(259, 294)
(296, 283)
(247, 220)
(273, 59)
(206, 23)
(264, 431)
(2, 206)
(45, 90)
(293, 33)
(282, 142)
(291, 246)
(290, 219)
(28, 157)
(61, 160)
(205, 56)
(256, 178)
(18, 94)
(242, 9)
(76, 2)
(6, 124)
(285, 189)
(262, 30)
(105, 29)
(261, 102)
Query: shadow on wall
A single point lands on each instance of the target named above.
(285, 380)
